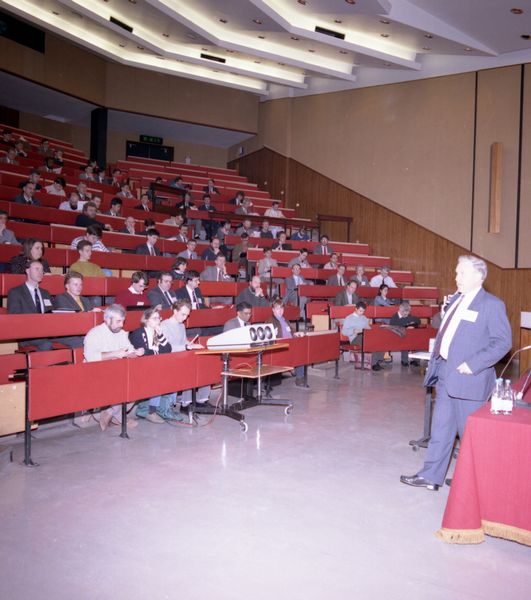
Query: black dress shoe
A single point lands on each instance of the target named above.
(376, 367)
(405, 363)
(415, 363)
(417, 481)
(448, 481)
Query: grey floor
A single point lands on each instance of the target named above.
(307, 506)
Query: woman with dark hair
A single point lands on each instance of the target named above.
(178, 269)
(151, 338)
(32, 249)
(381, 299)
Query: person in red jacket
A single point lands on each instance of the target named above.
(135, 295)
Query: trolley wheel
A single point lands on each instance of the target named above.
(243, 426)
(415, 448)
(288, 410)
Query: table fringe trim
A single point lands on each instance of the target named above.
(476, 536)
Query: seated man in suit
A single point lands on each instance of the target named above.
(211, 188)
(246, 227)
(404, 318)
(10, 158)
(88, 217)
(182, 236)
(73, 301)
(191, 291)
(189, 253)
(30, 298)
(242, 318)
(340, 277)
(150, 247)
(26, 197)
(218, 273)
(280, 243)
(353, 327)
(284, 330)
(254, 294)
(301, 260)
(292, 284)
(144, 203)
(175, 332)
(129, 226)
(194, 224)
(116, 208)
(265, 232)
(332, 264)
(348, 295)
(323, 247)
(135, 295)
(360, 276)
(162, 296)
(213, 250)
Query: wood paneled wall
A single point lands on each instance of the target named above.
(431, 257)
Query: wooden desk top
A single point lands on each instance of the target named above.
(254, 350)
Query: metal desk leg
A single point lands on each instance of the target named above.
(124, 433)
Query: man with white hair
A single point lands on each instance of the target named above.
(474, 335)
(109, 341)
(382, 277)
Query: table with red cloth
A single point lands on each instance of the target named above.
(491, 487)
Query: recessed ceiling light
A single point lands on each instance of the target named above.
(139, 47)
(355, 64)
(387, 64)
(55, 13)
(338, 21)
(262, 37)
(257, 21)
(204, 49)
(132, 1)
(343, 52)
(310, 50)
(384, 21)
(428, 35)
(426, 48)
(122, 45)
(525, 36)
(517, 11)
(296, 39)
(161, 57)
(167, 35)
(230, 51)
(350, 1)
(467, 49)
(303, 2)
(282, 64)
(384, 34)
(258, 62)
(223, 20)
(191, 36)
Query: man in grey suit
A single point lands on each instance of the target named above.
(292, 284)
(348, 295)
(254, 294)
(244, 311)
(162, 295)
(474, 335)
(218, 273)
(6, 235)
(27, 195)
(30, 298)
(189, 253)
(323, 247)
(340, 277)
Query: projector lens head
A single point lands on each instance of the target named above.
(268, 333)
(252, 333)
(261, 333)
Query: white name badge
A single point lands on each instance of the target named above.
(140, 304)
(47, 302)
(470, 315)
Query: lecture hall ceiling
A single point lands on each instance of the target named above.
(278, 48)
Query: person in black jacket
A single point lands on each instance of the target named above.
(30, 298)
(150, 337)
(32, 249)
(404, 318)
(162, 296)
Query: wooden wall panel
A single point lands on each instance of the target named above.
(431, 257)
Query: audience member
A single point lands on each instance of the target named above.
(88, 217)
(323, 247)
(238, 199)
(87, 173)
(281, 243)
(26, 197)
(340, 277)
(6, 235)
(381, 299)
(57, 188)
(348, 295)
(125, 191)
(32, 250)
(83, 264)
(189, 253)
(129, 226)
(150, 338)
(109, 341)
(292, 285)
(72, 204)
(242, 318)
(182, 236)
(404, 318)
(301, 260)
(191, 291)
(162, 297)
(265, 265)
(208, 225)
(223, 231)
(210, 188)
(35, 178)
(265, 232)
(10, 157)
(178, 269)
(254, 294)
(213, 250)
(93, 235)
(218, 272)
(246, 227)
(175, 332)
(19, 148)
(383, 277)
(301, 236)
(135, 295)
(360, 276)
(44, 148)
(144, 203)
(115, 209)
(284, 330)
(30, 298)
(149, 248)
(354, 326)
(332, 264)
(176, 220)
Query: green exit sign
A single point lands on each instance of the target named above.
(151, 139)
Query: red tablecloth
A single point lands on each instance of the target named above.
(491, 487)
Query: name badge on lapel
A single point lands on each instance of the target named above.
(470, 315)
